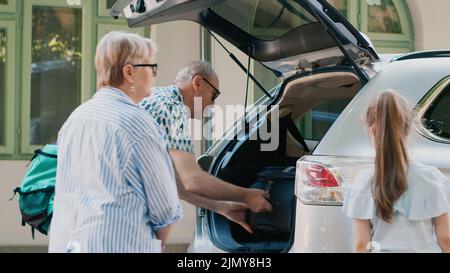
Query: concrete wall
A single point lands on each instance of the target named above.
(431, 23)
(179, 44)
(11, 231)
(232, 84)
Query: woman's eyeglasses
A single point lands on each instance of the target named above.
(153, 66)
(216, 91)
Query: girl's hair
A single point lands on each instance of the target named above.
(388, 116)
(117, 49)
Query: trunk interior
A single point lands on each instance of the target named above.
(312, 103)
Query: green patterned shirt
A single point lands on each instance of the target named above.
(166, 106)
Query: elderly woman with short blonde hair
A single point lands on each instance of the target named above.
(115, 185)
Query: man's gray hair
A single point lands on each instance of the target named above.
(193, 69)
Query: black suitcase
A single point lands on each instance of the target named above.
(275, 225)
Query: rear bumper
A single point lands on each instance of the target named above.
(322, 229)
(318, 229)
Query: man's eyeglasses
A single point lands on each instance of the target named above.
(216, 91)
(153, 66)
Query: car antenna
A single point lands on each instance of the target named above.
(246, 70)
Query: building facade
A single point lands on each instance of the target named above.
(46, 70)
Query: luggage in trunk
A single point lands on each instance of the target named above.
(275, 225)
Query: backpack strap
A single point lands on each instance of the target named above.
(36, 152)
(40, 152)
(16, 191)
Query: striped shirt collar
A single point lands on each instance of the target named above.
(114, 93)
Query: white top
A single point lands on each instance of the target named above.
(412, 229)
(115, 184)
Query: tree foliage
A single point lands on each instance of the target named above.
(56, 35)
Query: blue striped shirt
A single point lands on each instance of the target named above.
(115, 183)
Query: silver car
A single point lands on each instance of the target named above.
(329, 73)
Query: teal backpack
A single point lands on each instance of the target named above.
(37, 190)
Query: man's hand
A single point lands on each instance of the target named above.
(235, 212)
(256, 200)
(195, 181)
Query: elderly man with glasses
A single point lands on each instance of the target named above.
(170, 107)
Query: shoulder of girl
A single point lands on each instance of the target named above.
(429, 175)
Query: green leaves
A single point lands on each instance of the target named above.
(55, 34)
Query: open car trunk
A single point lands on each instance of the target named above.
(285, 36)
(315, 100)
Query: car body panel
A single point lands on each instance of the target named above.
(321, 229)
(202, 242)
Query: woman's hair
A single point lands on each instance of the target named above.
(388, 116)
(117, 49)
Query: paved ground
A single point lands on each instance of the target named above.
(178, 248)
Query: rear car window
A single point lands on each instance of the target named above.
(437, 118)
(266, 20)
(318, 120)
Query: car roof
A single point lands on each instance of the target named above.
(422, 55)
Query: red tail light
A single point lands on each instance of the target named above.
(320, 180)
(319, 176)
